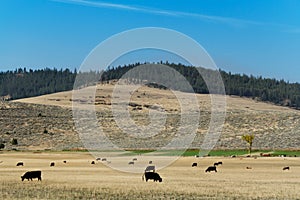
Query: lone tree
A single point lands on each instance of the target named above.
(249, 140)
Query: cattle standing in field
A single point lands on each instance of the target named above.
(32, 174)
(211, 168)
(134, 159)
(265, 154)
(150, 168)
(131, 163)
(52, 164)
(150, 162)
(218, 163)
(20, 164)
(98, 159)
(286, 168)
(104, 159)
(194, 164)
(152, 175)
(93, 162)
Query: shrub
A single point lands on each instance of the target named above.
(14, 141)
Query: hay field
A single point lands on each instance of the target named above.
(78, 179)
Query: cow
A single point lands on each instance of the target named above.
(150, 162)
(131, 163)
(150, 168)
(218, 163)
(104, 159)
(20, 164)
(211, 168)
(64, 161)
(134, 159)
(52, 164)
(93, 162)
(152, 175)
(194, 164)
(32, 174)
(286, 168)
(98, 159)
(265, 154)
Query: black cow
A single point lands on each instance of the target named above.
(150, 162)
(152, 175)
(98, 159)
(150, 168)
(20, 164)
(211, 168)
(218, 163)
(32, 174)
(64, 161)
(104, 159)
(52, 164)
(131, 163)
(194, 164)
(93, 162)
(286, 168)
(134, 159)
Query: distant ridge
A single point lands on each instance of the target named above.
(23, 83)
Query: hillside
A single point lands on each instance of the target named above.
(45, 122)
(23, 83)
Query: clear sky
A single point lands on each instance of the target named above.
(259, 37)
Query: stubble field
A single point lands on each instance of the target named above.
(79, 179)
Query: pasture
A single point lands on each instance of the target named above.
(79, 179)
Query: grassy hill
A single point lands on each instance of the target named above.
(46, 122)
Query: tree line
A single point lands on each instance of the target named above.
(275, 91)
(22, 83)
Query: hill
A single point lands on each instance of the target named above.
(45, 122)
(23, 83)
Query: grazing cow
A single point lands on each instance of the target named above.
(286, 168)
(150, 162)
(32, 174)
(64, 161)
(150, 168)
(93, 162)
(134, 159)
(104, 159)
(152, 175)
(265, 154)
(52, 164)
(218, 163)
(194, 164)
(211, 168)
(20, 164)
(98, 159)
(131, 163)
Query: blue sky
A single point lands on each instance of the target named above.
(259, 37)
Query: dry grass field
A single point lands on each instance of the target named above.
(78, 179)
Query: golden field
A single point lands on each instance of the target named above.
(79, 179)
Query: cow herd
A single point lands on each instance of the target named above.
(149, 173)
